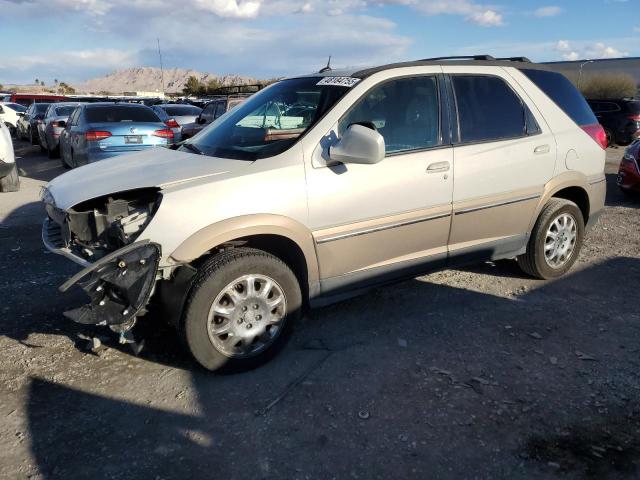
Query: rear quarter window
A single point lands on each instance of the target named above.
(559, 89)
(115, 113)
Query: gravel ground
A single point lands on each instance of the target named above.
(477, 374)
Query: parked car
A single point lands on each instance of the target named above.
(97, 131)
(52, 125)
(629, 171)
(323, 185)
(211, 111)
(176, 115)
(9, 180)
(10, 113)
(620, 119)
(27, 127)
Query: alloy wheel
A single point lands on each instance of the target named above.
(560, 240)
(247, 316)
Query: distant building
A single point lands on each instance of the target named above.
(630, 66)
(144, 94)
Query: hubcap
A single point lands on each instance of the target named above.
(560, 241)
(247, 316)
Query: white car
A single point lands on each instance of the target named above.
(10, 113)
(9, 181)
(323, 185)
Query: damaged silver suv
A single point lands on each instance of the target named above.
(327, 184)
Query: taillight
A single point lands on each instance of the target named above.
(164, 133)
(635, 118)
(598, 134)
(171, 123)
(95, 135)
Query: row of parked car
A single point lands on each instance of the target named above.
(82, 133)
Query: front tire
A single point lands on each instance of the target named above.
(241, 309)
(555, 241)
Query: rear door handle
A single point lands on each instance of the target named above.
(438, 167)
(542, 149)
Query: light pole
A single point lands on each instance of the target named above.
(580, 74)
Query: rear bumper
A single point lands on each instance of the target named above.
(597, 194)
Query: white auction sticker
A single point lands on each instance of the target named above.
(339, 81)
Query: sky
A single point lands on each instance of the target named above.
(74, 40)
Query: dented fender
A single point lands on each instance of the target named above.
(119, 285)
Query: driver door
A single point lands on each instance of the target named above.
(372, 223)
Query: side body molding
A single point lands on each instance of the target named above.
(224, 231)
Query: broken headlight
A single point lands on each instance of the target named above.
(105, 224)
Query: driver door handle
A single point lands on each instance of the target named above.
(438, 167)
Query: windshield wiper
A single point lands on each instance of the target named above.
(193, 148)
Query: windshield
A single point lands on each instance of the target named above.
(269, 122)
(65, 111)
(41, 107)
(17, 107)
(181, 110)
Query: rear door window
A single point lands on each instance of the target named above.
(208, 112)
(489, 110)
(404, 111)
(116, 113)
(559, 89)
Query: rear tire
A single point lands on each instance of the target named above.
(550, 236)
(610, 137)
(252, 295)
(10, 183)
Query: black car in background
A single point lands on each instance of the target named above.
(27, 127)
(620, 119)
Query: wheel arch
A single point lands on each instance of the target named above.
(281, 236)
(571, 186)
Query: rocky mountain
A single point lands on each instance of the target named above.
(148, 79)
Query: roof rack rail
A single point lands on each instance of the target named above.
(515, 59)
(460, 57)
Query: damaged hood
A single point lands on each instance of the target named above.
(157, 167)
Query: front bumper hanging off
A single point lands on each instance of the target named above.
(119, 286)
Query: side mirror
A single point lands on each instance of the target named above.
(359, 144)
(201, 121)
(20, 114)
(62, 123)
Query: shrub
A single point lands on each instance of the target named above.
(608, 86)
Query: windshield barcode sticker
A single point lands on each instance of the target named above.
(339, 81)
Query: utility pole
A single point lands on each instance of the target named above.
(161, 69)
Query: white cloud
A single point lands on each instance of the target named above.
(71, 59)
(636, 29)
(550, 11)
(579, 50)
(474, 12)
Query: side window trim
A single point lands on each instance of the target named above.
(440, 105)
(525, 109)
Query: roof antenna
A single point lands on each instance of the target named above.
(328, 67)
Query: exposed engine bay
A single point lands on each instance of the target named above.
(101, 233)
(96, 227)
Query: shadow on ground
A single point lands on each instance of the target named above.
(414, 380)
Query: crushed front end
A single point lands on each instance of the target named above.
(100, 234)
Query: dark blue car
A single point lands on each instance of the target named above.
(99, 131)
